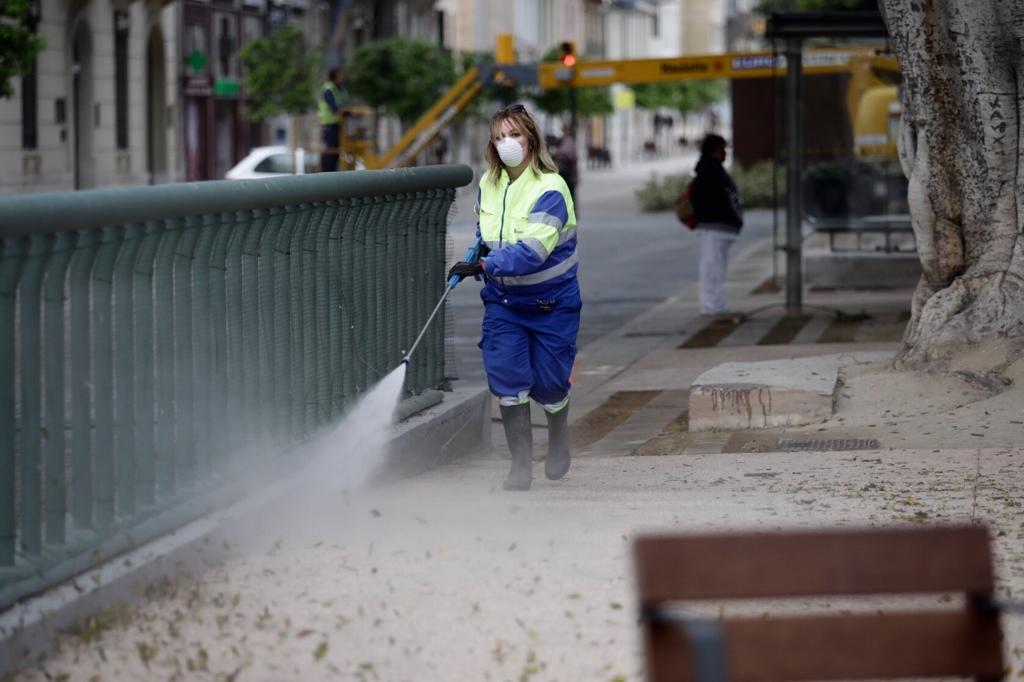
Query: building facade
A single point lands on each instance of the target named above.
(129, 93)
(215, 132)
(99, 108)
(703, 24)
(149, 91)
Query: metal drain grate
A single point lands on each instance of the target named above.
(828, 444)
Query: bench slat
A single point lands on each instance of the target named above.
(844, 562)
(959, 643)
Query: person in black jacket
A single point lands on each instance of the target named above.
(716, 205)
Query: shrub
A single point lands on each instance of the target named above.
(661, 194)
(755, 184)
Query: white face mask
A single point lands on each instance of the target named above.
(510, 152)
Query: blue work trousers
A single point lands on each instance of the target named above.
(529, 342)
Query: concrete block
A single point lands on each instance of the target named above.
(761, 395)
(458, 426)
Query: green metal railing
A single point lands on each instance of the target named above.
(154, 341)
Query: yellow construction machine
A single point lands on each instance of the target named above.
(873, 102)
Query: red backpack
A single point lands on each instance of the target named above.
(684, 207)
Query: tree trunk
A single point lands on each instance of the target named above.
(961, 149)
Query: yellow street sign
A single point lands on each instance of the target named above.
(703, 67)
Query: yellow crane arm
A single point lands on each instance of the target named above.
(432, 122)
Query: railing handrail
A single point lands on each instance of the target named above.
(79, 210)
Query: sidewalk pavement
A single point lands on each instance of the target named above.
(446, 576)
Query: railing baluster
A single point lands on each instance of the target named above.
(184, 382)
(434, 220)
(238, 436)
(81, 380)
(124, 369)
(282, 327)
(366, 295)
(103, 379)
(295, 292)
(252, 377)
(267, 320)
(10, 271)
(378, 299)
(11, 262)
(439, 221)
(145, 365)
(31, 370)
(331, 283)
(406, 291)
(55, 484)
(220, 415)
(389, 339)
(315, 369)
(346, 294)
(201, 345)
(355, 289)
(163, 283)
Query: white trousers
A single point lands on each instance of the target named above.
(714, 259)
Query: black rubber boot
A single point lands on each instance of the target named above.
(557, 462)
(519, 434)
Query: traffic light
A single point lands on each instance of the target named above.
(568, 49)
(566, 72)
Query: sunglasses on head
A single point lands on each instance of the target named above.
(514, 109)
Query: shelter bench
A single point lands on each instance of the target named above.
(888, 226)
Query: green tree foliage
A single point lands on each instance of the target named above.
(758, 186)
(684, 97)
(768, 6)
(282, 74)
(400, 76)
(18, 44)
(589, 101)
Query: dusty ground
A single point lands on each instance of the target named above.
(977, 403)
(445, 577)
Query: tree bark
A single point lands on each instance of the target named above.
(961, 149)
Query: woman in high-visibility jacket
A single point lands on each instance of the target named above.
(531, 296)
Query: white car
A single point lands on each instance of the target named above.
(268, 162)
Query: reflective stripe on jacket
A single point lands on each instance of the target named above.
(323, 109)
(530, 227)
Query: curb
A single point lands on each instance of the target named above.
(458, 426)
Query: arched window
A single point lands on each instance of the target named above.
(29, 92)
(121, 24)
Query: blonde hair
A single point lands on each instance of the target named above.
(536, 151)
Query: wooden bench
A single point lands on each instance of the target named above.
(964, 639)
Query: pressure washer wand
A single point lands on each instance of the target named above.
(472, 256)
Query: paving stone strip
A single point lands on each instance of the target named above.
(602, 420)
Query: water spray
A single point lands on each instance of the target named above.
(472, 256)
